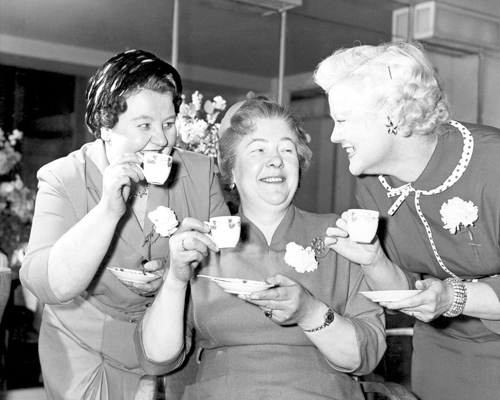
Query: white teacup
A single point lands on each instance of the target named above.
(156, 167)
(362, 224)
(225, 231)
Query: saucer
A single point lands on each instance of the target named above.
(389, 295)
(238, 286)
(132, 275)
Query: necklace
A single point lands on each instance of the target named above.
(141, 193)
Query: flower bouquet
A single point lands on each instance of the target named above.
(16, 200)
(197, 129)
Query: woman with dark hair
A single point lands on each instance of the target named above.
(92, 214)
(436, 184)
(311, 331)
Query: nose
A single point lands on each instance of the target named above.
(159, 137)
(336, 136)
(275, 161)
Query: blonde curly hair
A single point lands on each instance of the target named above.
(397, 77)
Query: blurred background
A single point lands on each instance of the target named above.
(228, 48)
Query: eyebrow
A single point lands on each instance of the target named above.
(284, 139)
(139, 117)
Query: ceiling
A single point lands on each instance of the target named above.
(224, 35)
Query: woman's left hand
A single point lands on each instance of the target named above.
(155, 266)
(289, 301)
(435, 298)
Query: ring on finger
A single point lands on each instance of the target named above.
(268, 313)
(182, 244)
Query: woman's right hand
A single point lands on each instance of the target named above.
(188, 246)
(365, 254)
(117, 179)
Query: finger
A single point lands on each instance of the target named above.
(126, 158)
(336, 232)
(426, 283)
(342, 222)
(156, 264)
(331, 241)
(193, 224)
(280, 280)
(408, 303)
(200, 242)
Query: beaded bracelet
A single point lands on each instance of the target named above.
(459, 297)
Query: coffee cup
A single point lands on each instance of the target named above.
(362, 224)
(225, 231)
(156, 167)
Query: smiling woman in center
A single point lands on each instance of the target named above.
(302, 338)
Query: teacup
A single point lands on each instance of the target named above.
(225, 231)
(156, 167)
(362, 224)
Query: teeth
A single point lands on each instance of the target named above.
(273, 179)
(350, 150)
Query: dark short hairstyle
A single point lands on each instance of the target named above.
(243, 123)
(121, 76)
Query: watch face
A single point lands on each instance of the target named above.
(329, 316)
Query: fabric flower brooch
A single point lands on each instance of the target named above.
(302, 260)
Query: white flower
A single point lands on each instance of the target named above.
(457, 212)
(302, 260)
(164, 221)
(196, 99)
(219, 103)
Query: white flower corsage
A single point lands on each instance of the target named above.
(302, 260)
(164, 224)
(457, 214)
(460, 215)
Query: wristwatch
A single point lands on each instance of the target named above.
(329, 317)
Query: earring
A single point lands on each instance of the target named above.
(391, 129)
(232, 185)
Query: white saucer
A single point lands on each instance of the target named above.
(389, 295)
(238, 286)
(132, 275)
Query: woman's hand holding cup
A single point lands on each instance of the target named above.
(339, 240)
(188, 246)
(117, 179)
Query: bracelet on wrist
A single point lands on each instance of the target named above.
(459, 297)
(328, 319)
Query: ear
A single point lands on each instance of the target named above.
(105, 134)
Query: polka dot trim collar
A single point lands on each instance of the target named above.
(405, 190)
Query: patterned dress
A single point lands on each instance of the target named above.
(453, 358)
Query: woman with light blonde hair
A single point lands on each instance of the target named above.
(436, 184)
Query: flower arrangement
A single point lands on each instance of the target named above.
(197, 129)
(17, 201)
(164, 224)
(302, 260)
